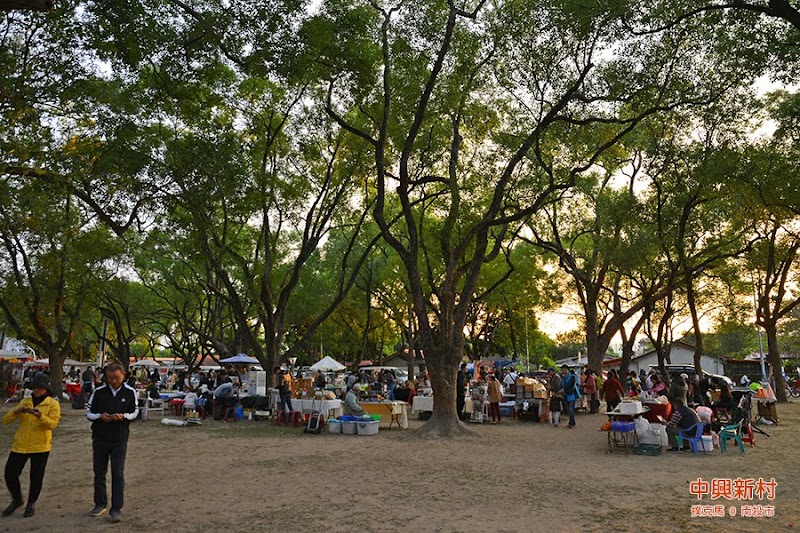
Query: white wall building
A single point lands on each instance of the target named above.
(680, 353)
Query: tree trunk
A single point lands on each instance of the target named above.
(774, 358)
(56, 373)
(698, 335)
(442, 360)
(625, 363)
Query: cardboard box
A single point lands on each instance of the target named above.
(540, 394)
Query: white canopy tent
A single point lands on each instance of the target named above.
(327, 364)
(67, 362)
(149, 363)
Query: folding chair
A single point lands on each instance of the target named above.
(152, 405)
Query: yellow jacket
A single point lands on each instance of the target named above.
(34, 435)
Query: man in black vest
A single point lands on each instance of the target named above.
(111, 409)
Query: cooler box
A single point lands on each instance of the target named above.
(630, 408)
(368, 428)
(334, 426)
(507, 408)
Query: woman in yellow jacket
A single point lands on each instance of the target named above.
(38, 416)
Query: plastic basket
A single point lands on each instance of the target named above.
(647, 449)
(375, 417)
(368, 428)
(334, 426)
(623, 426)
(349, 427)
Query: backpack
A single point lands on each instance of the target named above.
(79, 401)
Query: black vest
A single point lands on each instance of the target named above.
(103, 401)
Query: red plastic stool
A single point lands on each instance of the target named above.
(297, 418)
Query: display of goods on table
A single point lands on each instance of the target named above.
(530, 388)
(302, 388)
(659, 412)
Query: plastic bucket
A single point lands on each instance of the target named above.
(349, 427)
(368, 428)
(334, 426)
(707, 444)
(239, 413)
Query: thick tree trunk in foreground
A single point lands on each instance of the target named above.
(442, 363)
(774, 358)
(56, 373)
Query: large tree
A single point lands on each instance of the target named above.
(477, 118)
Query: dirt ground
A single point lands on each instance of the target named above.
(250, 476)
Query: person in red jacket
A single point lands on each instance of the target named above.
(612, 391)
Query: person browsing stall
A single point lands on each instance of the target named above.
(38, 416)
(658, 387)
(683, 417)
(111, 409)
(554, 387)
(612, 391)
(569, 386)
(351, 406)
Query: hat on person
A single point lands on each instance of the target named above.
(551, 369)
(41, 382)
(685, 375)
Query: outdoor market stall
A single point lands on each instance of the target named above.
(533, 392)
(621, 427)
(391, 412)
(328, 408)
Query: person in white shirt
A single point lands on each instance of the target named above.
(190, 400)
(510, 378)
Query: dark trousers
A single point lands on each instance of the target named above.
(612, 404)
(286, 402)
(15, 464)
(460, 405)
(102, 452)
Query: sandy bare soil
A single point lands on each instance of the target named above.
(250, 476)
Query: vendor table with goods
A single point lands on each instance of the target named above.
(422, 403)
(391, 413)
(329, 408)
(622, 430)
(657, 412)
(541, 407)
(425, 403)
